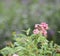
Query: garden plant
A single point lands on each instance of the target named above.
(35, 44)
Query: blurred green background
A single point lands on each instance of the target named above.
(18, 15)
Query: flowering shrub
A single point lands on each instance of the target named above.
(41, 28)
(33, 45)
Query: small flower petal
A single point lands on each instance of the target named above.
(36, 25)
(36, 31)
(15, 55)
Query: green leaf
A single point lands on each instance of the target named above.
(28, 31)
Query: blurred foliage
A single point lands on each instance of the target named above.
(33, 45)
(16, 15)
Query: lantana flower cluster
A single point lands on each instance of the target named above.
(41, 29)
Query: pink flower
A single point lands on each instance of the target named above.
(36, 31)
(41, 28)
(15, 55)
(43, 32)
(36, 25)
(45, 25)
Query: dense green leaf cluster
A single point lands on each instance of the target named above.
(33, 45)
